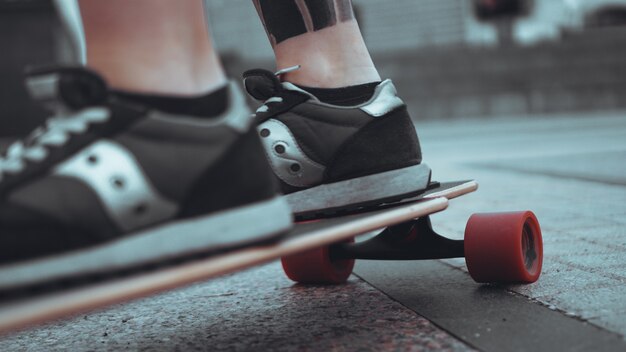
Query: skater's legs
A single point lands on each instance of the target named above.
(320, 35)
(153, 46)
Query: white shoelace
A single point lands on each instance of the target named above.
(265, 107)
(56, 133)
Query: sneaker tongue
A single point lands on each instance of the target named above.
(67, 88)
(261, 84)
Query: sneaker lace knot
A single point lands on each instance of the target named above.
(74, 96)
(263, 85)
(55, 133)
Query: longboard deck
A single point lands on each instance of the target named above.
(15, 315)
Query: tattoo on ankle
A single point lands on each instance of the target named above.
(284, 19)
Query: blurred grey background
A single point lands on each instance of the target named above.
(449, 58)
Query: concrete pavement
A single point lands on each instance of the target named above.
(257, 310)
(571, 171)
(568, 169)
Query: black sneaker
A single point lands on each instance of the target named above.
(333, 158)
(110, 184)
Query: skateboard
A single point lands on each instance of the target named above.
(498, 247)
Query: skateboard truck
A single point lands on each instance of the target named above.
(497, 247)
(411, 240)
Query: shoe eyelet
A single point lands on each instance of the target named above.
(140, 209)
(264, 133)
(92, 159)
(295, 167)
(118, 182)
(280, 149)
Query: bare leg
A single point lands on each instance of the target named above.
(320, 35)
(151, 46)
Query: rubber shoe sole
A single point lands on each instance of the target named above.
(385, 187)
(257, 223)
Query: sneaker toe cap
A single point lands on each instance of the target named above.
(26, 234)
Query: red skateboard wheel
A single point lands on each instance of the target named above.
(504, 247)
(315, 266)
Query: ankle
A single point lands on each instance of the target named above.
(333, 75)
(155, 75)
(329, 58)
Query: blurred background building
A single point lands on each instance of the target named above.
(449, 58)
